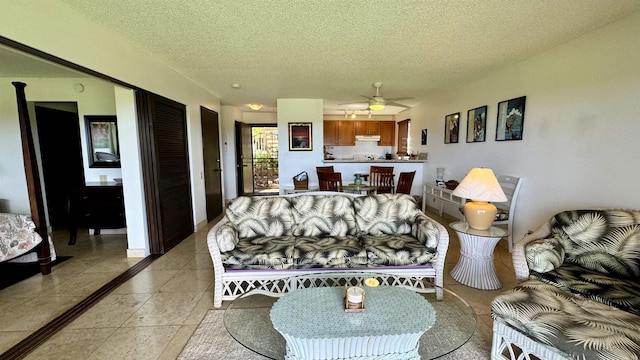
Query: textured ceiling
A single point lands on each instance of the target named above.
(334, 50)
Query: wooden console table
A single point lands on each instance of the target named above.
(95, 206)
(442, 196)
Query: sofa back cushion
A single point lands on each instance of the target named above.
(601, 240)
(260, 216)
(385, 213)
(323, 215)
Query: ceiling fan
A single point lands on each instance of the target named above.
(377, 102)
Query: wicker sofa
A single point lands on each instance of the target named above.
(262, 239)
(580, 298)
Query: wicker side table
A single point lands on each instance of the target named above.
(475, 267)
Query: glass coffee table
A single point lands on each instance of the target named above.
(247, 318)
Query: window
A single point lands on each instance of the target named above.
(404, 127)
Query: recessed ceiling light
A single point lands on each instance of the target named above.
(235, 86)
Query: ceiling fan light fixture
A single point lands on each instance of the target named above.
(255, 107)
(375, 105)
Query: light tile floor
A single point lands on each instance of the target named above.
(153, 315)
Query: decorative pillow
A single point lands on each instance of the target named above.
(425, 231)
(318, 215)
(260, 216)
(227, 237)
(385, 213)
(544, 255)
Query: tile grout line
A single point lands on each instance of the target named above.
(38, 337)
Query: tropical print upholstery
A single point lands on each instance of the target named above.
(580, 328)
(323, 231)
(619, 292)
(395, 250)
(583, 296)
(330, 252)
(260, 216)
(323, 215)
(262, 252)
(607, 241)
(385, 213)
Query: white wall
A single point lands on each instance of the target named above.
(292, 163)
(582, 120)
(49, 25)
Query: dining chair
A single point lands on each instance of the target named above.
(330, 181)
(405, 180)
(382, 178)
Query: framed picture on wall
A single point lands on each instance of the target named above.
(477, 124)
(102, 141)
(451, 128)
(300, 137)
(423, 138)
(510, 119)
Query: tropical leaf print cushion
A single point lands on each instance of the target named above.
(331, 215)
(385, 213)
(581, 329)
(602, 240)
(260, 216)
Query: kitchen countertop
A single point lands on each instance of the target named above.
(372, 161)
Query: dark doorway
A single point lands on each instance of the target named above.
(211, 157)
(61, 154)
(257, 159)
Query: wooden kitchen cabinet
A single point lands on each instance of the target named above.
(338, 132)
(367, 127)
(387, 133)
(330, 129)
(346, 134)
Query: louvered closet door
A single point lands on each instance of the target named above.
(166, 171)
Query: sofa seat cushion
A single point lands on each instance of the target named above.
(385, 213)
(621, 293)
(396, 250)
(331, 215)
(263, 252)
(329, 252)
(260, 216)
(581, 328)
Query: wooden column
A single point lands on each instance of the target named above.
(33, 179)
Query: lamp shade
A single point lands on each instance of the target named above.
(481, 186)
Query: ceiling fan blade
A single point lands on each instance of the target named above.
(355, 102)
(398, 104)
(398, 98)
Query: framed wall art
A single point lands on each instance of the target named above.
(423, 138)
(451, 128)
(102, 141)
(300, 137)
(477, 124)
(510, 119)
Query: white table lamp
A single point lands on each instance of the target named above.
(481, 186)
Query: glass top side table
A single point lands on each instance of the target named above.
(475, 267)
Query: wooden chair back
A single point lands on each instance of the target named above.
(405, 180)
(325, 168)
(382, 178)
(330, 181)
